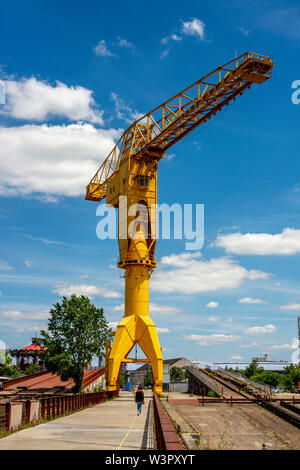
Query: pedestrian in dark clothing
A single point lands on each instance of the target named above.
(139, 399)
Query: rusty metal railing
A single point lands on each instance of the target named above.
(166, 437)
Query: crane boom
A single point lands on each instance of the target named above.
(171, 121)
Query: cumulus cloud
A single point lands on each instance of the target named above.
(256, 330)
(86, 290)
(194, 27)
(154, 308)
(28, 263)
(213, 319)
(31, 328)
(236, 356)
(162, 330)
(285, 243)
(189, 275)
(291, 306)
(212, 304)
(18, 315)
(214, 339)
(4, 266)
(171, 37)
(36, 100)
(113, 325)
(124, 111)
(124, 43)
(53, 160)
(101, 49)
(249, 300)
(281, 347)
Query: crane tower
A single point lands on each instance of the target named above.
(128, 178)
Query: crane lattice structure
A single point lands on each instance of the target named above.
(128, 177)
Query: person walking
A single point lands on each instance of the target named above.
(139, 399)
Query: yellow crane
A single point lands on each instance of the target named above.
(128, 178)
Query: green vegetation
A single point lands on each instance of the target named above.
(177, 374)
(148, 380)
(32, 369)
(77, 331)
(211, 394)
(7, 369)
(288, 380)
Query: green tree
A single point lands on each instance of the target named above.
(7, 369)
(32, 369)
(177, 374)
(291, 376)
(77, 331)
(148, 379)
(268, 377)
(252, 369)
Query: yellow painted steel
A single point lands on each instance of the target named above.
(128, 180)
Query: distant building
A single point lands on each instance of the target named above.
(27, 355)
(276, 366)
(137, 376)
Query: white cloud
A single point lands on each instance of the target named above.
(162, 330)
(261, 329)
(251, 345)
(213, 319)
(31, 328)
(32, 99)
(5, 266)
(164, 53)
(56, 160)
(124, 111)
(280, 347)
(84, 276)
(188, 275)
(209, 340)
(285, 243)
(291, 306)
(172, 37)
(212, 304)
(28, 263)
(236, 356)
(113, 325)
(249, 300)
(101, 49)
(163, 309)
(194, 27)
(18, 315)
(86, 290)
(125, 43)
(244, 30)
(154, 308)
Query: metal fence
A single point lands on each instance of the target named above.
(53, 407)
(166, 437)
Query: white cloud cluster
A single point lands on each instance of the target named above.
(123, 111)
(249, 300)
(4, 266)
(291, 306)
(212, 304)
(214, 339)
(154, 308)
(189, 275)
(194, 27)
(86, 290)
(171, 37)
(54, 160)
(162, 330)
(236, 357)
(37, 100)
(124, 43)
(28, 263)
(213, 319)
(255, 330)
(285, 243)
(101, 49)
(18, 315)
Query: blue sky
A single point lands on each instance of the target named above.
(75, 77)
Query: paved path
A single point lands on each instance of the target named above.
(110, 426)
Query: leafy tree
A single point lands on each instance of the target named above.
(177, 374)
(252, 369)
(268, 377)
(7, 369)
(32, 369)
(148, 379)
(291, 376)
(77, 331)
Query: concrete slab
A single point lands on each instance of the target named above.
(110, 426)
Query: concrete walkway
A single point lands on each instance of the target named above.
(110, 426)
